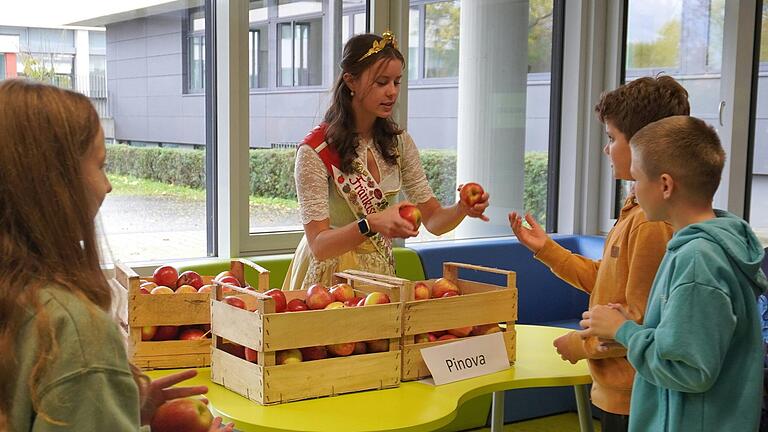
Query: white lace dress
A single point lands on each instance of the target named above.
(320, 200)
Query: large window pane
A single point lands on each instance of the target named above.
(145, 77)
(504, 148)
(680, 38)
(288, 8)
(758, 215)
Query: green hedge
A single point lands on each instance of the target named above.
(272, 171)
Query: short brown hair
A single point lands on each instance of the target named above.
(642, 101)
(686, 148)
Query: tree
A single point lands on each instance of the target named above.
(663, 52)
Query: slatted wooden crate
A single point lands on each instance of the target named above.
(178, 309)
(478, 304)
(267, 332)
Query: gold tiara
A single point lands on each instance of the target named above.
(386, 38)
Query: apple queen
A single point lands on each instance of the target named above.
(351, 168)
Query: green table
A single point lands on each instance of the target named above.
(414, 406)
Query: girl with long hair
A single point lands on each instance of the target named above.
(64, 364)
(350, 169)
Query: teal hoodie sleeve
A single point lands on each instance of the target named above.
(686, 351)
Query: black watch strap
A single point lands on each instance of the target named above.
(364, 227)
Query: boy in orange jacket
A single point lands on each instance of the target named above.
(633, 248)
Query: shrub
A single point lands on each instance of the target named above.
(272, 172)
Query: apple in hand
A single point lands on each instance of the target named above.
(318, 297)
(412, 214)
(471, 194)
(442, 286)
(376, 298)
(166, 276)
(190, 277)
(421, 291)
(280, 301)
(185, 414)
(342, 292)
(288, 356)
(296, 305)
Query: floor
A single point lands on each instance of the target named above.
(568, 422)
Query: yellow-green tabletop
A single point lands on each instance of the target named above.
(414, 406)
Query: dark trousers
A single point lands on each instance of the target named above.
(614, 422)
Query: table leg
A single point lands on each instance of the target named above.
(583, 407)
(497, 412)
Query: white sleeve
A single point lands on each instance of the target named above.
(415, 185)
(311, 185)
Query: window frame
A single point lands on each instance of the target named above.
(193, 39)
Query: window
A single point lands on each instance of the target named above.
(758, 214)
(50, 67)
(299, 53)
(472, 124)
(257, 58)
(289, 8)
(196, 53)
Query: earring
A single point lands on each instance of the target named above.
(352, 93)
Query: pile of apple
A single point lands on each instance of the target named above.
(442, 288)
(167, 280)
(318, 297)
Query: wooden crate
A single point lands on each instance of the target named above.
(479, 303)
(268, 332)
(169, 310)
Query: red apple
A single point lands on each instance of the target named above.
(447, 337)
(166, 275)
(143, 290)
(190, 277)
(234, 349)
(354, 301)
(186, 414)
(450, 294)
(341, 349)
(206, 288)
(186, 289)
(376, 298)
(148, 332)
(165, 333)
(378, 345)
(222, 274)
(192, 334)
(441, 286)
(342, 292)
(461, 331)
(148, 285)
(161, 290)
(484, 329)
(230, 280)
(288, 356)
(251, 355)
(280, 301)
(471, 193)
(235, 301)
(432, 337)
(318, 297)
(296, 305)
(421, 291)
(314, 353)
(360, 348)
(412, 214)
(361, 302)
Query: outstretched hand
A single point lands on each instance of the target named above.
(534, 237)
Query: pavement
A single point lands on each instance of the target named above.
(156, 228)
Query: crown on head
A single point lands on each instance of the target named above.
(386, 38)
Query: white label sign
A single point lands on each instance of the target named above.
(455, 361)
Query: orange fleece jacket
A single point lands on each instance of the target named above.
(633, 251)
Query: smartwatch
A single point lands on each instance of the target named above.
(365, 228)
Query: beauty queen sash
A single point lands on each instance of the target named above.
(359, 189)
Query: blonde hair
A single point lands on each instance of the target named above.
(47, 234)
(688, 149)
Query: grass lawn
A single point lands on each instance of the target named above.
(129, 185)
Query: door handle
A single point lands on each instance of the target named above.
(720, 108)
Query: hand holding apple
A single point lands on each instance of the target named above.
(390, 224)
(186, 414)
(473, 200)
(161, 390)
(412, 214)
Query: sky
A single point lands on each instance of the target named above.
(646, 17)
(56, 13)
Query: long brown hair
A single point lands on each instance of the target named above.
(341, 133)
(47, 234)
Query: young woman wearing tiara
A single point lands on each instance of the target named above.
(350, 169)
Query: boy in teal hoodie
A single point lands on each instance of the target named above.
(699, 352)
